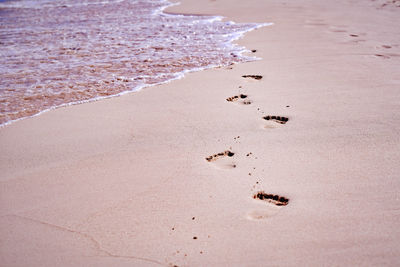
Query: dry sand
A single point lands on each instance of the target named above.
(125, 182)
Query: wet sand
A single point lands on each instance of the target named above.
(304, 170)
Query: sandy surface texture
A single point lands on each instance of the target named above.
(298, 166)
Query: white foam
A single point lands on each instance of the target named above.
(164, 48)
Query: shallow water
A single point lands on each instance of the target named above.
(60, 52)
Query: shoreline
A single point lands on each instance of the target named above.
(234, 36)
(173, 174)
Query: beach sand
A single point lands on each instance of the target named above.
(126, 181)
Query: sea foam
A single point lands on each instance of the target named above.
(59, 52)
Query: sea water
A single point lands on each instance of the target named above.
(61, 52)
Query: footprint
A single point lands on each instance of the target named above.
(387, 55)
(358, 34)
(314, 23)
(236, 97)
(278, 119)
(223, 159)
(382, 56)
(256, 77)
(271, 198)
(242, 99)
(256, 215)
(355, 38)
(393, 3)
(219, 155)
(274, 203)
(337, 29)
